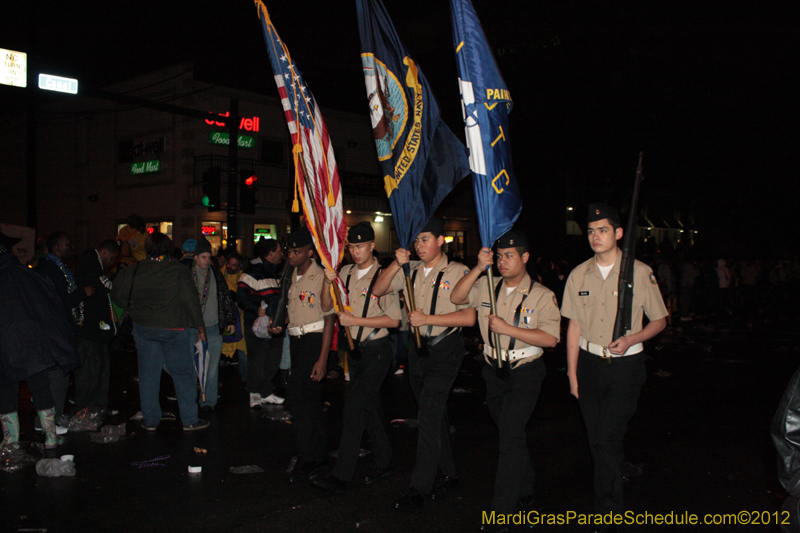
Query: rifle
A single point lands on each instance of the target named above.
(279, 320)
(622, 322)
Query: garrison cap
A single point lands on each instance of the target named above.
(601, 211)
(435, 225)
(361, 232)
(512, 239)
(300, 238)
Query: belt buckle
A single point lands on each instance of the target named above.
(302, 329)
(606, 358)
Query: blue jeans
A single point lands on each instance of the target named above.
(168, 349)
(214, 354)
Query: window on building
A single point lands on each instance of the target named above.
(454, 244)
(268, 231)
(216, 233)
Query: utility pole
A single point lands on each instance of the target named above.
(233, 172)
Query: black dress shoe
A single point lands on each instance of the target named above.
(443, 487)
(376, 474)
(303, 471)
(330, 483)
(410, 502)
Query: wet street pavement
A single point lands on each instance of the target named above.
(700, 439)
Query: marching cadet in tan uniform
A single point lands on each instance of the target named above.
(527, 320)
(433, 368)
(310, 332)
(368, 363)
(607, 376)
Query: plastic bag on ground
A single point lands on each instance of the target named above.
(55, 468)
(88, 419)
(109, 433)
(18, 455)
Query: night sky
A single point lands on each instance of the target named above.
(706, 89)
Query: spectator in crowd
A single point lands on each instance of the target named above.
(131, 240)
(218, 316)
(54, 268)
(28, 350)
(98, 328)
(160, 296)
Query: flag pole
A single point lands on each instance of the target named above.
(337, 296)
(412, 304)
(493, 302)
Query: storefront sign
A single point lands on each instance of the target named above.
(247, 124)
(222, 137)
(209, 230)
(146, 167)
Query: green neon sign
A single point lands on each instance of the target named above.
(146, 167)
(223, 138)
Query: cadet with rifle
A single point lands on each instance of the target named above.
(606, 372)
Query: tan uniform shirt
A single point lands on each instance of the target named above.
(592, 300)
(305, 297)
(388, 304)
(423, 288)
(539, 310)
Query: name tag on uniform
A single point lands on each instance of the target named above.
(583, 293)
(486, 304)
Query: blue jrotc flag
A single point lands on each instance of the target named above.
(421, 159)
(486, 104)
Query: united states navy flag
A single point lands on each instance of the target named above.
(421, 159)
(486, 104)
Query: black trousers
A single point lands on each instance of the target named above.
(431, 380)
(39, 387)
(363, 410)
(511, 403)
(263, 360)
(92, 376)
(608, 393)
(305, 396)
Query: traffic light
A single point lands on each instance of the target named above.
(247, 192)
(212, 180)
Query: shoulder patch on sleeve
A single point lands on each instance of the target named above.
(653, 279)
(466, 272)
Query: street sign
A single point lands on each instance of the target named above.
(58, 84)
(13, 68)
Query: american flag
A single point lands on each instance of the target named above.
(316, 175)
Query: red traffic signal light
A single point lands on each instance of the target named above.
(251, 180)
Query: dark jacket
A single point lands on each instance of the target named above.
(35, 333)
(249, 299)
(98, 315)
(163, 295)
(69, 300)
(225, 306)
(786, 437)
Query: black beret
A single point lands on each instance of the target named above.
(512, 239)
(435, 225)
(601, 211)
(300, 238)
(361, 232)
